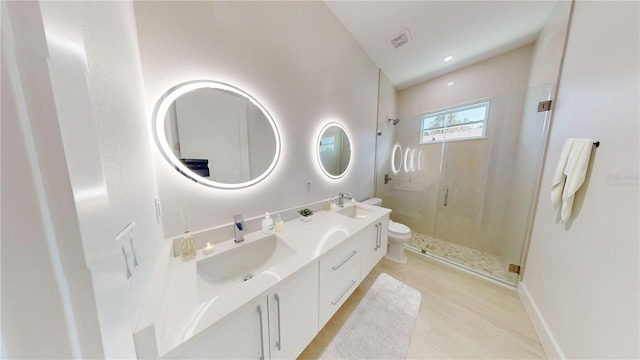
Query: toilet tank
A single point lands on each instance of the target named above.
(373, 201)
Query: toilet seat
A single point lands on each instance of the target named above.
(399, 229)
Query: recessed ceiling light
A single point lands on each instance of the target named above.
(450, 83)
(448, 58)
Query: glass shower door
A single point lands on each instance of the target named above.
(486, 185)
(407, 179)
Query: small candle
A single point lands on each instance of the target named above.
(208, 248)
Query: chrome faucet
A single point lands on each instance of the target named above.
(238, 228)
(342, 196)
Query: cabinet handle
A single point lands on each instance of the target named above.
(379, 243)
(335, 301)
(377, 236)
(279, 341)
(446, 197)
(261, 334)
(337, 266)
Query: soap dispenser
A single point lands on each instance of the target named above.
(279, 224)
(267, 224)
(333, 205)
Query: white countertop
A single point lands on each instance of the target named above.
(183, 315)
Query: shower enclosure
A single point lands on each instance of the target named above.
(460, 168)
(467, 200)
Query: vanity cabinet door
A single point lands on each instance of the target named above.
(374, 241)
(293, 314)
(242, 335)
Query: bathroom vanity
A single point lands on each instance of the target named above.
(268, 296)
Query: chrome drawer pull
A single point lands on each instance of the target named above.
(261, 334)
(377, 236)
(336, 267)
(335, 301)
(279, 342)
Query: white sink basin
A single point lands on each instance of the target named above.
(355, 212)
(221, 272)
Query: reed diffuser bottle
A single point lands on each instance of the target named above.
(188, 245)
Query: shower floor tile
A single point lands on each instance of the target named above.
(483, 262)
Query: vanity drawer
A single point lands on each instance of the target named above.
(332, 298)
(337, 261)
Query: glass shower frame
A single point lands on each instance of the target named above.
(434, 180)
(467, 201)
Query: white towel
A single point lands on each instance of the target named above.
(557, 186)
(576, 172)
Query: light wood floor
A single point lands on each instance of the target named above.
(461, 315)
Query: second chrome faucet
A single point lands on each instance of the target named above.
(239, 228)
(342, 196)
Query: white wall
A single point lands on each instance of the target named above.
(42, 251)
(298, 61)
(91, 174)
(118, 105)
(582, 277)
(52, 212)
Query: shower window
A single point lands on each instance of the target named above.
(328, 143)
(459, 123)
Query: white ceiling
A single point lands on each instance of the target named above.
(470, 31)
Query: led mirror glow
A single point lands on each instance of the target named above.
(216, 134)
(333, 150)
(407, 154)
(413, 159)
(396, 158)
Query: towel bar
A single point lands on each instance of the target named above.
(597, 143)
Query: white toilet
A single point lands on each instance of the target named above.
(399, 234)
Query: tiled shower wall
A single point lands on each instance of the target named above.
(476, 172)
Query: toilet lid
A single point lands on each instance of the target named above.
(398, 228)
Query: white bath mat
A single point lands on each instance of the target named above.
(381, 325)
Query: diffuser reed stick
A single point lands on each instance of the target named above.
(188, 246)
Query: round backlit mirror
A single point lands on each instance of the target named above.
(216, 134)
(334, 150)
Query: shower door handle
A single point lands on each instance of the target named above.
(446, 197)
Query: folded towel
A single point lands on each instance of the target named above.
(557, 186)
(576, 172)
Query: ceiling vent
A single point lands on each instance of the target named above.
(400, 39)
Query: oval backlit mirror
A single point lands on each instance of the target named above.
(216, 134)
(333, 150)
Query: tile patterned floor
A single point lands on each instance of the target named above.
(480, 261)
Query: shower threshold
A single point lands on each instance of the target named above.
(479, 263)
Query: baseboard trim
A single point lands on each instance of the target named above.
(549, 343)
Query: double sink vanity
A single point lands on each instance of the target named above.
(269, 295)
